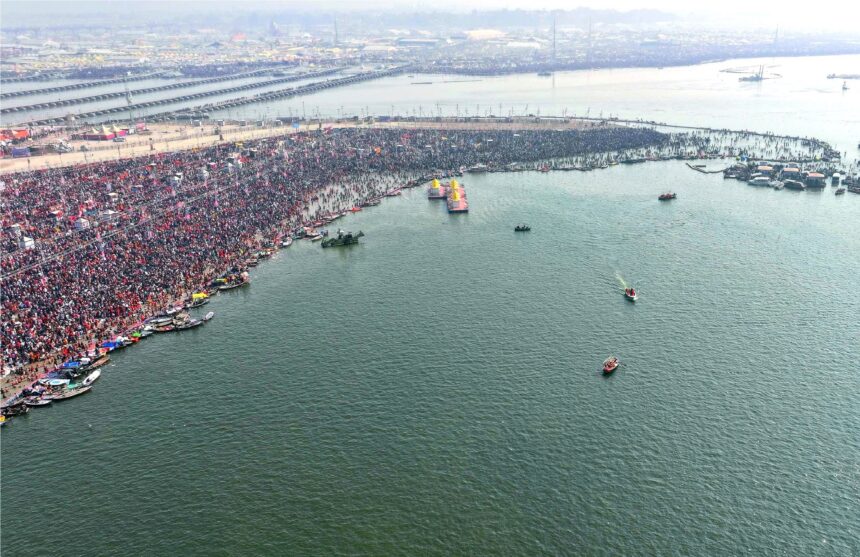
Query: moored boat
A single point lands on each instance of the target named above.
(34, 401)
(234, 281)
(436, 190)
(198, 299)
(17, 408)
(91, 378)
(69, 393)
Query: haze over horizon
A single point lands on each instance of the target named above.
(732, 13)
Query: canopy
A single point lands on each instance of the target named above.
(199, 296)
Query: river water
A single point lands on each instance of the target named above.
(435, 389)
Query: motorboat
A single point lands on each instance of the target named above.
(667, 196)
(91, 378)
(610, 364)
(630, 294)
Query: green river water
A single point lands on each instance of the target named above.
(435, 389)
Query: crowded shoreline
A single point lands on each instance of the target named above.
(116, 242)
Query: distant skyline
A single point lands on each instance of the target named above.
(766, 14)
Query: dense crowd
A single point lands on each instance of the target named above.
(115, 241)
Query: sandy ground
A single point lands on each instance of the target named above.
(173, 137)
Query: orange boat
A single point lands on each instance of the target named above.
(610, 364)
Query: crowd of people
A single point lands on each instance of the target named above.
(89, 250)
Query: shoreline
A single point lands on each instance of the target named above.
(354, 188)
(170, 139)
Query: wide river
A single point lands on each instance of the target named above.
(435, 390)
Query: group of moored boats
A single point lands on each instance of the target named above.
(791, 176)
(64, 385)
(76, 376)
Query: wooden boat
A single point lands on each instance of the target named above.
(286, 242)
(34, 401)
(69, 393)
(159, 321)
(91, 378)
(667, 196)
(840, 191)
(198, 303)
(16, 409)
(232, 285)
(522, 228)
(610, 364)
(190, 324)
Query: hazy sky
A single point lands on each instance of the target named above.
(790, 15)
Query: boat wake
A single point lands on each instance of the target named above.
(621, 281)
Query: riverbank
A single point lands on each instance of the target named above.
(171, 218)
(185, 217)
(165, 138)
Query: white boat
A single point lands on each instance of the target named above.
(91, 378)
(209, 316)
(760, 181)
